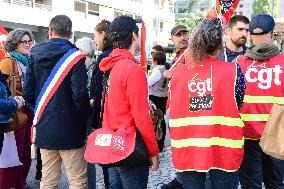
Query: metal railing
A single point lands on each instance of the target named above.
(28, 3)
(43, 6)
(23, 3)
(6, 1)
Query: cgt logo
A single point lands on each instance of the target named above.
(264, 76)
(200, 86)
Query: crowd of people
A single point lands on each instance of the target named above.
(211, 90)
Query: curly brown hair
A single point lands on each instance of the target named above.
(15, 37)
(103, 26)
(205, 38)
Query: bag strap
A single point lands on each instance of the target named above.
(13, 82)
(105, 89)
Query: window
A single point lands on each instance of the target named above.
(157, 4)
(117, 13)
(171, 6)
(241, 13)
(241, 5)
(161, 26)
(162, 5)
(129, 14)
(182, 10)
(155, 24)
(138, 17)
(80, 6)
(94, 9)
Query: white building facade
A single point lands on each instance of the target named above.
(35, 15)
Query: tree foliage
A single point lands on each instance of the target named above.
(191, 16)
(264, 6)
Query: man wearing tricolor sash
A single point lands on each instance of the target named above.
(56, 86)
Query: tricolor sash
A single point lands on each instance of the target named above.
(57, 75)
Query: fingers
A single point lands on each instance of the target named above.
(20, 101)
(154, 162)
(167, 74)
(92, 103)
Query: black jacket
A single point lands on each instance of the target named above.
(96, 90)
(231, 55)
(63, 122)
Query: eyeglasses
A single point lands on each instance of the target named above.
(30, 42)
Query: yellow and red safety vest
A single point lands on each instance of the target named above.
(205, 125)
(264, 88)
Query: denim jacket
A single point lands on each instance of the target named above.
(8, 105)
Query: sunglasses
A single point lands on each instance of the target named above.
(30, 42)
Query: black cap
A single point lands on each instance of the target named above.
(123, 26)
(178, 29)
(261, 24)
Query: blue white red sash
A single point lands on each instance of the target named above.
(57, 75)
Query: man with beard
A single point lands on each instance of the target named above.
(237, 33)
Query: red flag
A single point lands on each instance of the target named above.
(3, 37)
(225, 9)
(143, 62)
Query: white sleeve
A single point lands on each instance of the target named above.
(154, 77)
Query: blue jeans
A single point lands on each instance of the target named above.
(258, 167)
(91, 167)
(128, 177)
(219, 179)
(91, 173)
(207, 182)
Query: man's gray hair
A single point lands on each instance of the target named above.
(15, 37)
(86, 46)
(61, 25)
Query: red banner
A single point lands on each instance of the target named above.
(226, 9)
(3, 37)
(143, 62)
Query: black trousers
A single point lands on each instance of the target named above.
(258, 167)
(1, 137)
(160, 103)
(38, 165)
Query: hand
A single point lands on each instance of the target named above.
(20, 101)
(168, 74)
(92, 103)
(154, 162)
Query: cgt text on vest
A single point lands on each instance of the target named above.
(263, 75)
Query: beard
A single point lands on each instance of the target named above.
(239, 42)
(182, 44)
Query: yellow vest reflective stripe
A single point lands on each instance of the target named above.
(263, 99)
(254, 117)
(207, 142)
(206, 120)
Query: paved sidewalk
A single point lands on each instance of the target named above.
(156, 179)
